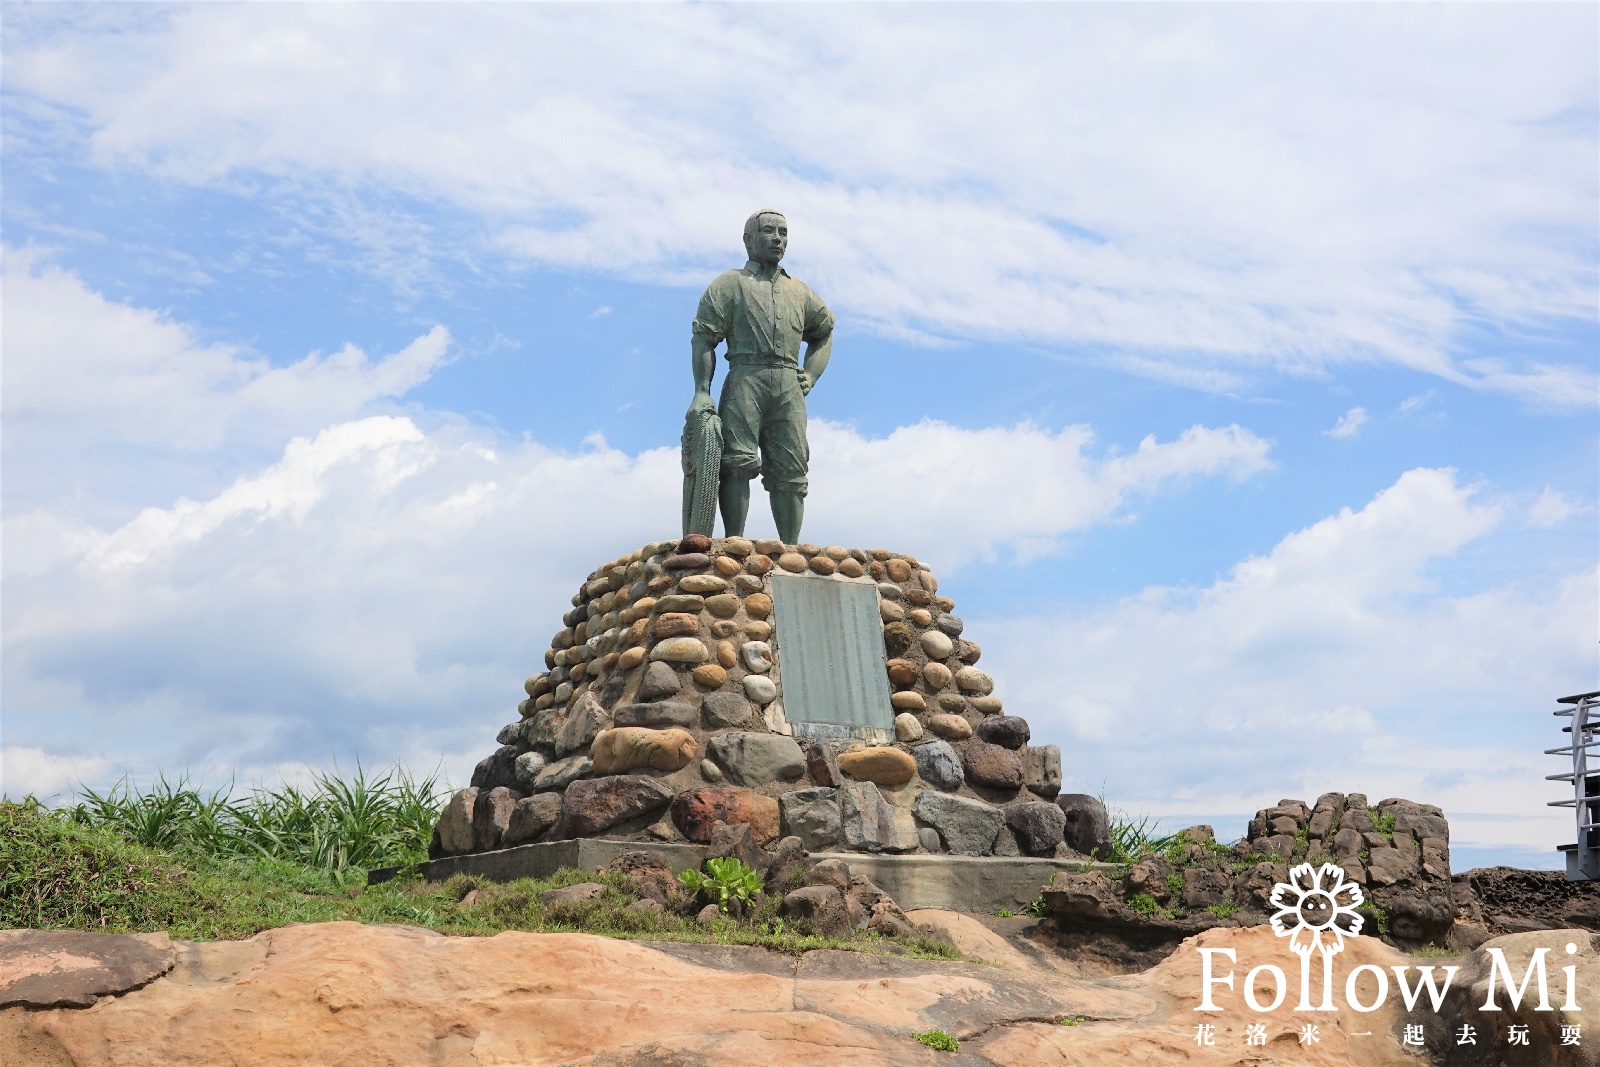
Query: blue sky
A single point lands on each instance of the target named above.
(1234, 367)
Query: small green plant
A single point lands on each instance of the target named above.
(1175, 884)
(1383, 824)
(1004, 913)
(939, 1040)
(1038, 909)
(1074, 1020)
(1302, 841)
(1144, 904)
(725, 879)
(1224, 909)
(1431, 951)
(1379, 917)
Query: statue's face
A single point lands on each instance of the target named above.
(770, 240)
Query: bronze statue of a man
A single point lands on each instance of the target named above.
(763, 314)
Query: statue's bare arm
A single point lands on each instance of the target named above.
(816, 361)
(703, 362)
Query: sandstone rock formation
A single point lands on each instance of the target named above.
(382, 996)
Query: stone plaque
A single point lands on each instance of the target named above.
(831, 658)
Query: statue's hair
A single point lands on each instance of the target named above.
(753, 223)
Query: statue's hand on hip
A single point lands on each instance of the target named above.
(702, 402)
(805, 383)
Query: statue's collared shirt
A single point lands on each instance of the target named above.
(762, 316)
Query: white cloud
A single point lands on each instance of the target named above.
(88, 379)
(1201, 195)
(1349, 424)
(1552, 508)
(382, 589)
(50, 777)
(1333, 662)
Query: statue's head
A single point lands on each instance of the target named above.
(766, 236)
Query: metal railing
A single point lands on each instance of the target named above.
(1583, 857)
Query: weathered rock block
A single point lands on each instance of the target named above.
(657, 715)
(1088, 828)
(596, 804)
(659, 681)
(491, 815)
(563, 773)
(727, 709)
(967, 827)
(531, 819)
(992, 766)
(821, 763)
(697, 811)
(821, 907)
(938, 765)
(752, 759)
(584, 723)
(1037, 825)
(812, 815)
(1041, 770)
(455, 822)
(871, 824)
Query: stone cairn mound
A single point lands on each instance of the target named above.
(661, 715)
(1397, 851)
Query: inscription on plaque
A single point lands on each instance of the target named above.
(831, 658)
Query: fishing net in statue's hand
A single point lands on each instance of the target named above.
(702, 463)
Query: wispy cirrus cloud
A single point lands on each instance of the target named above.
(1115, 183)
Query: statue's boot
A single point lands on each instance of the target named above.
(733, 494)
(788, 509)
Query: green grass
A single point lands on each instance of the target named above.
(59, 873)
(1074, 1020)
(1224, 909)
(938, 1039)
(1379, 917)
(1134, 837)
(342, 825)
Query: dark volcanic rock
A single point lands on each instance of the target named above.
(821, 762)
(991, 765)
(1038, 826)
(70, 968)
(594, 804)
(491, 816)
(531, 817)
(821, 907)
(1007, 731)
(1088, 830)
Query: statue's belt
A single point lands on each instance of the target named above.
(762, 359)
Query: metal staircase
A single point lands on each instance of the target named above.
(1583, 857)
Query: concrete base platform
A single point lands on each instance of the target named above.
(984, 884)
(543, 860)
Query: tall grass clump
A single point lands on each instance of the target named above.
(337, 824)
(1134, 837)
